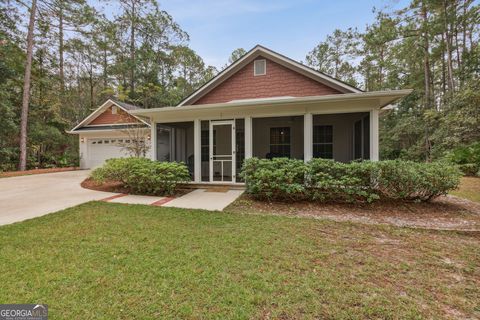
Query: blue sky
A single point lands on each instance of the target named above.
(293, 28)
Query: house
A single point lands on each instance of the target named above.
(263, 105)
(107, 131)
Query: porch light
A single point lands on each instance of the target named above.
(82, 139)
(148, 137)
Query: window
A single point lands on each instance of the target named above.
(260, 67)
(114, 109)
(323, 142)
(279, 142)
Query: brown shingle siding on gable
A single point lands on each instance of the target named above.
(107, 117)
(279, 81)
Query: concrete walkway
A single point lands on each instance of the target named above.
(27, 197)
(198, 199)
(135, 199)
(205, 199)
(32, 196)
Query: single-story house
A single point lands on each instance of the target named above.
(263, 105)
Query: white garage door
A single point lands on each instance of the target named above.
(100, 150)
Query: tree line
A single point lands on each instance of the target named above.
(75, 57)
(431, 46)
(60, 59)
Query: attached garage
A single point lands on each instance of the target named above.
(101, 149)
(105, 133)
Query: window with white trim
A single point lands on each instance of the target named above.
(259, 67)
(323, 142)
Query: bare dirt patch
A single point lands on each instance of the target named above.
(446, 213)
(35, 171)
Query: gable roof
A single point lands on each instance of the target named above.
(122, 105)
(259, 50)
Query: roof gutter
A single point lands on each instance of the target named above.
(391, 96)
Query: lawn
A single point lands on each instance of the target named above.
(469, 189)
(110, 261)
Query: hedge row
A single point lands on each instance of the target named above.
(328, 180)
(143, 176)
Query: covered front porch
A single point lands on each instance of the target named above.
(214, 140)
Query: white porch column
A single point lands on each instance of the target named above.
(197, 150)
(308, 137)
(374, 151)
(248, 138)
(153, 140)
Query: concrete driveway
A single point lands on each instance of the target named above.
(32, 196)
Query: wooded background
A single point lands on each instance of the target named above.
(80, 57)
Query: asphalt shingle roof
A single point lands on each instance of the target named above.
(126, 105)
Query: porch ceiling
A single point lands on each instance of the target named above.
(337, 103)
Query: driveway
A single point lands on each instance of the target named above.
(32, 196)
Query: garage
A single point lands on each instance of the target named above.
(101, 149)
(105, 132)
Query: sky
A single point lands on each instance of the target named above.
(292, 28)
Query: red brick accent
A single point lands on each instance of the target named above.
(114, 197)
(161, 202)
(107, 117)
(278, 81)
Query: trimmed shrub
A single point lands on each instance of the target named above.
(143, 176)
(328, 180)
(408, 180)
(279, 178)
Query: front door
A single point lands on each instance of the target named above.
(222, 151)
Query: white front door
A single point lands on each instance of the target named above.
(222, 151)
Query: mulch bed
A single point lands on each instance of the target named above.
(445, 213)
(35, 171)
(118, 187)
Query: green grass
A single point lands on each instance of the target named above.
(469, 189)
(110, 261)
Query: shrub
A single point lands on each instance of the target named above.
(328, 180)
(408, 180)
(469, 169)
(143, 176)
(279, 178)
(467, 158)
